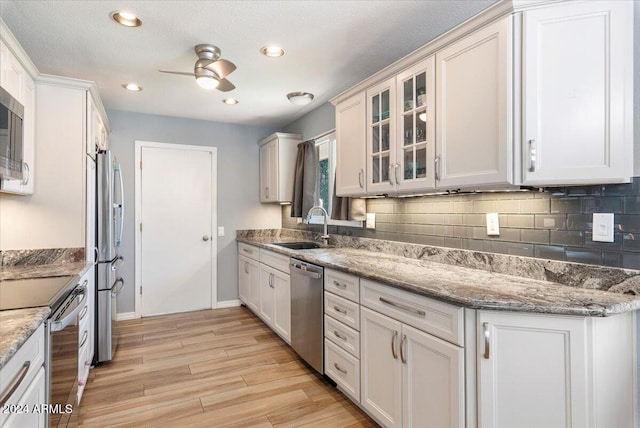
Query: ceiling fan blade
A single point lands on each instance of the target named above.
(225, 86)
(182, 73)
(221, 67)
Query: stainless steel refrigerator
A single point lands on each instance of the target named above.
(110, 222)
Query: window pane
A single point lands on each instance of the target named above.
(375, 170)
(421, 89)
(385, 105)
(407, 126)
(385, 137)
(385, 167)
(323, 182)
(408, 95)
(408, 163)
(375, 109)
(421, 126)
(421, 162)
(375, 139)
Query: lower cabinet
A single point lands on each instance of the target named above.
(555, 371)
(249, 282)
(25, 414)
(86, 331)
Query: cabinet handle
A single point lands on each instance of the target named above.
(83, 313)
(271, 278)
(403, 343)
(532, 155)
(246, 267)
(487, 339)
(404, 307)
(341, 370)
(396, 173)
(246, 250)
(361, 178)
(390, 174)
(339, 335)
(9, 391)
(393, 345)
(27, 169)
(340, 285)
(338, 309)
(85, 336)
(436, 167)
(95, 256)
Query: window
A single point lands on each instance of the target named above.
(326, 146)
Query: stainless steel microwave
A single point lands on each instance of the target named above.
(11, 137)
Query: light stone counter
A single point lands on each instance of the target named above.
(16, 326)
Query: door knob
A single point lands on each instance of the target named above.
(205, 238)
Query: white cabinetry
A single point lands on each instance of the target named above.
(578, 93)
(380, 142)
(86, 331)
(16, 80)
(277, 164)
(474, 141)
(555, 371)
(249, 275)
(24, 374)
(350, 148)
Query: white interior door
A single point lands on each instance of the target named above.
(176, 243)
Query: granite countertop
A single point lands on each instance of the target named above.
(463, 286)
(16, 326)
(8, 273)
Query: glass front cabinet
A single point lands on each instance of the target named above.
(415, 148)
(380, 137)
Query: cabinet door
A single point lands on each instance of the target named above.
(269, 172)
(350, 146)
(415, 140)
(11, 73)
(244, 289)
(282, 305)
(432, 380)
(381, 368)
(254, 284)
(34, 397)
(267, 294)
(532, 370)
(473, 116)
(380, 137)
(578, 93)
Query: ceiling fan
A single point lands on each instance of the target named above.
(210, 70)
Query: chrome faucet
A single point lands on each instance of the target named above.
(325, 214)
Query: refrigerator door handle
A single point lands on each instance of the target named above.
(116, 263)
(120, 204)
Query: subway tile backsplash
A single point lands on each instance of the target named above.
(554, 224)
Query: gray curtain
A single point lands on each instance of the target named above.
(354, 209)
(305, 182)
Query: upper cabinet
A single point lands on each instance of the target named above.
(540, 95)
(578, 93)
(277, 165)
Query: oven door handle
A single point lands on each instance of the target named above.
(61, 324)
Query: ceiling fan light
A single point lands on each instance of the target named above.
(207, 82)
(272, 51)
(127, 19)
(300, 98)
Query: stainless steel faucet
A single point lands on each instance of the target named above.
(325, 214)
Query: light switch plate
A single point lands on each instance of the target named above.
(371, 220)
(602, 227)
(493, 224)
(221, 231)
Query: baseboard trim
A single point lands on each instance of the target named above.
(123, 316)
(228, 304)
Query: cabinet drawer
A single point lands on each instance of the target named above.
(440, 319)
(343, 310)
(342, 284)
(32, 351)
(343, 336)
(249, 251)
(275, 260)
(343, 368)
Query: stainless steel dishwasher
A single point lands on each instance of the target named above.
(307, 327)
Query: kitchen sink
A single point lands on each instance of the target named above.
(304, 245)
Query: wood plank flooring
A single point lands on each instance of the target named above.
(213, 368)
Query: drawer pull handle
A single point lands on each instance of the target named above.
(85, 336)
(83, 313)
(393, 345)
(338, 309)
(16, 384)
(339, 335)
(487, 339)
(341, 370)
(340, 285)
(246, 250)
(404, 307)
(403, 343)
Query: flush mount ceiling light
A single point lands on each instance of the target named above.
(133, 87)
(300, 98)
(127, 19)
(272, 51)
(230, 101)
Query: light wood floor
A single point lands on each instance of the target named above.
(211, 368)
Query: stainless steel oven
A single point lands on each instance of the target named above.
(62, 359)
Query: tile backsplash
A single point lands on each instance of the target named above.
(555, 224)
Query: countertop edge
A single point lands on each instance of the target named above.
(21, 323)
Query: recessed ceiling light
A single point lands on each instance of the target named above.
(272, 51)
(133, 87)
(300, 98)
(127, 19)
(230, 101)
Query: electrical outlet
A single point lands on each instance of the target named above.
(493, 224)
(371, 220)
(602, 227)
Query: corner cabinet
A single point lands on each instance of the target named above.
(277, 166)
(578, 93)
(350, 149)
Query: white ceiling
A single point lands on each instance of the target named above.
(330, 46)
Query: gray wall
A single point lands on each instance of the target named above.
(314, 123)
(238, 202)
